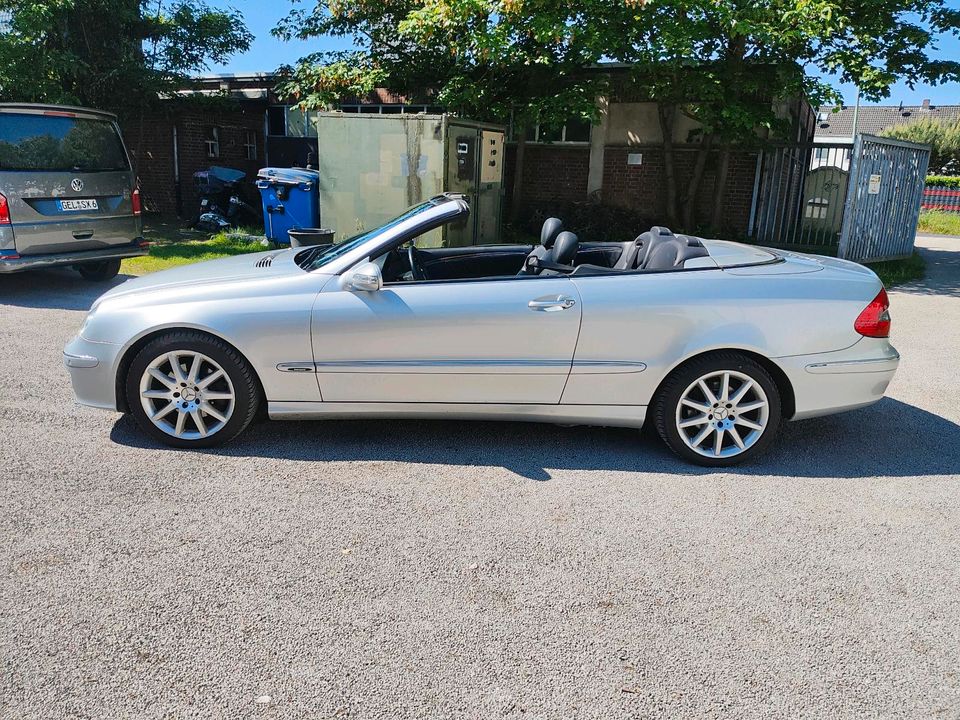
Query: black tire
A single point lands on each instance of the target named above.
(671, 392)
(99, 271)
(246, 386)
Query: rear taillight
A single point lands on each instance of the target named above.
(4, 211)
(874, 321)
(135, 200)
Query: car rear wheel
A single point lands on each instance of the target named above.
(99, 271)
(190, 390)
(718, 410)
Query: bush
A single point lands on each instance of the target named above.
(943, 181)
(591, 221)
(943, 137)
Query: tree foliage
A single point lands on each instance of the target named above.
(943, 137)
(489, 59)
(118, 55)
(732, 65)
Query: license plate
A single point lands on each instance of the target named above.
(77, 205)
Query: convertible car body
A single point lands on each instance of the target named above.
(712, 341)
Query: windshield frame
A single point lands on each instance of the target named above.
(415, 221)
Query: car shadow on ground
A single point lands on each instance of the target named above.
(54, 289)
(887, 439)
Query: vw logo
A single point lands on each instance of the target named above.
(77, 185)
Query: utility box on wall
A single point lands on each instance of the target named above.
(373, 167)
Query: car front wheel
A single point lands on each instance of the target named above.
(190, 390)
(718, 410)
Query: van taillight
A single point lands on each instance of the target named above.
(135, 201)
(874, 321)
(4, 211)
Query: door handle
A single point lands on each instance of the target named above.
(560, 302)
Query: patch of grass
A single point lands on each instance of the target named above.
(165, 253)
(898, 272)
(938, 222)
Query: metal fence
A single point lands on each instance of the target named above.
(940, 197)
(801, 195)
(883, 201)
(860, 202)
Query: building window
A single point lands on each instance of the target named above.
(817, 208)
(575, 130)
(212, 140)
(250, 145)
(390, 109)
(277, 121)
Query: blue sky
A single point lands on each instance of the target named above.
(268, 53)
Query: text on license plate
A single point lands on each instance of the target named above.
(74, 205)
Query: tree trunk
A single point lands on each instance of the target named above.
(720, 190)
(517, 195)
(693, 188)
(667, 113)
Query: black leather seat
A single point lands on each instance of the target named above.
(634, 255)
(667, 251)
(563, 252)
(552, 227)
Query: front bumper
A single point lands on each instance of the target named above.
(92, 367)
(843, 380)
(32, 262)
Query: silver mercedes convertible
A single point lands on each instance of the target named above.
(714, 342)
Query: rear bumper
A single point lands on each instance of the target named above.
(839, 381)
(32, 262)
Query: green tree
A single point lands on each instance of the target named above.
(943, 137)
(735, 66)
(515, 60)
(117, 55)
(732, 65)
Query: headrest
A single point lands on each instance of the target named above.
(657, 231)
(565, 248)
(548, 234)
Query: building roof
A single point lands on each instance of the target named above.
(872, 119)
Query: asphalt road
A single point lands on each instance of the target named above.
(451, 569)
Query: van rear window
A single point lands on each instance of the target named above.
(49, 143)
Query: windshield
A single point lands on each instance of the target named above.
(316, 258)
(50, 143)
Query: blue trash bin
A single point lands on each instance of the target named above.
(291, 200)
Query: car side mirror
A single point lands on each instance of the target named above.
(366, 278)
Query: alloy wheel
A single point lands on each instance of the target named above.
(187, 394)
(722, 414)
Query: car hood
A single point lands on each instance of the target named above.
(225, 271)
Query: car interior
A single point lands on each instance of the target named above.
(560, 252)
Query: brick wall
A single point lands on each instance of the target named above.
(154, 160)
(550, 173)
(559, 173)
(641, 187)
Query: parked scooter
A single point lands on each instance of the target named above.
(221, 204)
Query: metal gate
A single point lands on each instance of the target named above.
(883, 200)
(826, 197)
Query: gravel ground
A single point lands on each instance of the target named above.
(431, 569)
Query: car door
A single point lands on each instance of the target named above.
(499, 340)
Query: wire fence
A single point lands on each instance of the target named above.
(939, 197)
